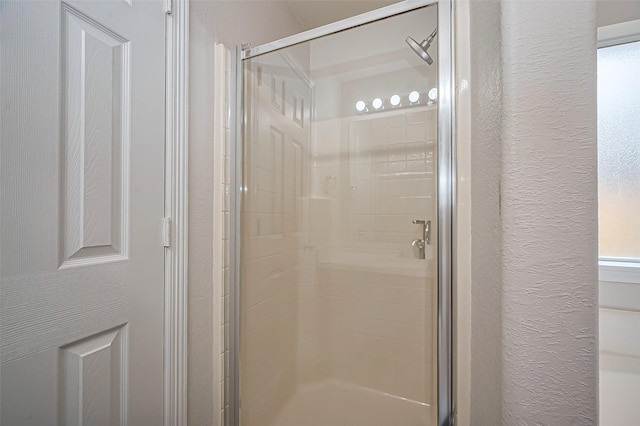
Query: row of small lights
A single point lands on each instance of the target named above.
(396, 101)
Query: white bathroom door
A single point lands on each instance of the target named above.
(82, 96)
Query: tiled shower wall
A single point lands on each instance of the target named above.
(222, 132)
(391, 175)
(371, 321)
(381, 328)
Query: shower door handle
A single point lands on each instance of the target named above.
(426, 230)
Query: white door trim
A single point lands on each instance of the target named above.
(176, 163)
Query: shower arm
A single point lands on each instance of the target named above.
(428, 40)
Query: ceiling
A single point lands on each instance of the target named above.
(315, 13)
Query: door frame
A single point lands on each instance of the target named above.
(176, 212)
(446, 205)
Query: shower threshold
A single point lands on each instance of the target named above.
(338, 403)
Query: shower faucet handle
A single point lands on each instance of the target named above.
(426, 229)
(421, 245)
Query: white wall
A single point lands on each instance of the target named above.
(549, 213)
(528, 330)
(229, 22)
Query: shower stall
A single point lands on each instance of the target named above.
(341, 225)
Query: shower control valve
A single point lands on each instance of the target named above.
(426, 229)
(418, 243)
(421, 245)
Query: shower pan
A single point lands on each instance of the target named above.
(340, 232)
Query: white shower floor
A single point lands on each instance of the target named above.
(335, 403)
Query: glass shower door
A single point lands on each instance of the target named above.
(338, 229)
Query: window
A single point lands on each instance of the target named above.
(619, 153)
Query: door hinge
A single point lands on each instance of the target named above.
(166, 232)
(169, 7)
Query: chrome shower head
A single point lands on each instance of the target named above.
(422, 47)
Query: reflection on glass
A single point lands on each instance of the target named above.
(337, 307)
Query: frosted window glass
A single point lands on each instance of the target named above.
(619, 150)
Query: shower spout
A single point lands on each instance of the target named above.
(422, 47)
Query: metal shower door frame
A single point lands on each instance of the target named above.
(446, 195)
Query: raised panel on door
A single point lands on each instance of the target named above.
(92, 380)
(82, 199)
(96, 107)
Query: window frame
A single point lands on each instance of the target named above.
(619, 270)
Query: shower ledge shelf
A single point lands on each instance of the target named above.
(375, 260)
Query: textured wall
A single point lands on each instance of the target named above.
(549, 213)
